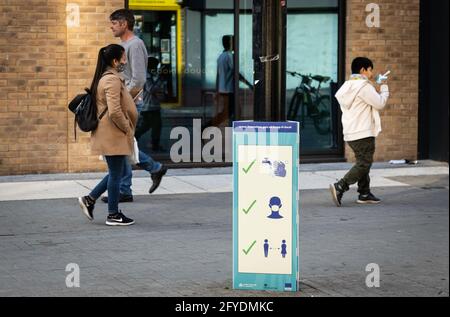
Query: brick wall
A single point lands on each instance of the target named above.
(395, 45)
(43, 64)
(33, 82)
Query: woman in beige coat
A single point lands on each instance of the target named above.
(113, 137)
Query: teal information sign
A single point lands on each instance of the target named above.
(265, 205)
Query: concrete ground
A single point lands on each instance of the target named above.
(181, 244)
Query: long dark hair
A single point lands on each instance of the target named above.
(106, 56)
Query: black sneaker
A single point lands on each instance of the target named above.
(336, 194)
(87, 207)
(368, 199)
(156, 178)
(118, 219)
(122, 199)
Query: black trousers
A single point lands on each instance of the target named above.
(150, 120)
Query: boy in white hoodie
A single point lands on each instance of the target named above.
(360, 102)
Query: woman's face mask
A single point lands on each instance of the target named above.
(120, 67)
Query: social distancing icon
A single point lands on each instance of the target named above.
(271, 250)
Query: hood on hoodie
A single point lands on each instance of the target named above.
(347, 93)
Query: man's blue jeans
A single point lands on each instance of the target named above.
(111, 182)
(146, 162)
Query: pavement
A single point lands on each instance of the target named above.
(181, 242)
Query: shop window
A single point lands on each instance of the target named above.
(312, 67)
(158, 30)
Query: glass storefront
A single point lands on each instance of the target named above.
(312, 72)
(195, 48)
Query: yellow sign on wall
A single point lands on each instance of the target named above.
(155, 3)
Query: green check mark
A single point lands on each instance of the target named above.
(246, 170)
(249, 248)
(246, 211)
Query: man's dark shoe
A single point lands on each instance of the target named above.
(118, 219)
(368, 199)
(336, 193)
(87, 206)
(156, 178)
(122, 199)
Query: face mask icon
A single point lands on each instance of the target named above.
(275, 206)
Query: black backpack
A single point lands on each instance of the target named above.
(85, 112)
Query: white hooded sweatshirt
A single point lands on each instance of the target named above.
(360, 103)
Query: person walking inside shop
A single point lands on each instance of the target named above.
(225, 83)
(122, 24)
(150, 117)
(113, 137)
(360, 103)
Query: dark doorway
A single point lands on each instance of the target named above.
(433, 83)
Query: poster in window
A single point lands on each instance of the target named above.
(165, 58)
(165, 45)
(138, 25)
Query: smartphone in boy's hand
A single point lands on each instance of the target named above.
(382, 79)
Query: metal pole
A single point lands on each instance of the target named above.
(269, 55)
(279, 67)
(258, 50)
(237, 106)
